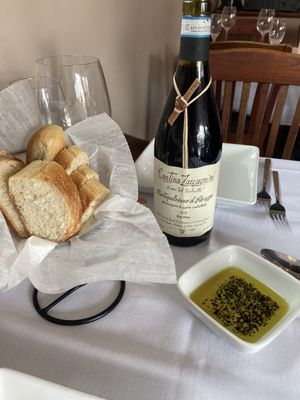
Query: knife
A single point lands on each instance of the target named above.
(287, 263)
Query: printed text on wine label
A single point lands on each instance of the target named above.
(185, 198)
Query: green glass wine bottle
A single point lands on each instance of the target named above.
(188, 141)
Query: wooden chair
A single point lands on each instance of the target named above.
(273, 71)
(232, 44)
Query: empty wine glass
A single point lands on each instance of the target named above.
(265, 21)
(216, 26)
(82, 83)
(50, 100)
(277, 31)
(228, 19)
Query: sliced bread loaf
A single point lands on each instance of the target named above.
(71, 158)
(83, 174)
(92, 194)
(9, 166)
(47, 200)
(45, 144)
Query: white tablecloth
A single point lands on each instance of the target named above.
(151, 346)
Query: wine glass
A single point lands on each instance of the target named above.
(50, 100)
(277, 31)
(216, 26)
(82, 83)
(265, 21)
(228, 19)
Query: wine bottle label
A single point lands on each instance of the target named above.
(185, 199)
(195, 27)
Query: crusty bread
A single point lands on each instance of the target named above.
(83, 174)
(5, 154)
(47, 200)
(92, 193)
(71, 158)
(9, 166)
(45, 144)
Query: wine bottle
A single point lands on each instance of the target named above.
(188, 141)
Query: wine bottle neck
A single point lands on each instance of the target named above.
(195, 31)
(194, 49)
(187, 71)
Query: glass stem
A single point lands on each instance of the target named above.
(226, 34)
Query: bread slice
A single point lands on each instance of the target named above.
(71, 158)
(83, 174)
(47, 200)
(4, 153)
(45, 144)
(92, 194)
(9, 166)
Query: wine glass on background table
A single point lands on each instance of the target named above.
(277, 31)
(50, 100)
(82, 81)
(216, 26)
(228, 19)
(265, 21)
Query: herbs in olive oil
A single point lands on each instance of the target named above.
(241, 303)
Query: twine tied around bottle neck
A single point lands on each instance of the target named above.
(181, 105)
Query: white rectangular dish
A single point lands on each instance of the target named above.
(262, 270)
(238, 173)
(16, 385)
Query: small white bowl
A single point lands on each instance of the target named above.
(264, 271)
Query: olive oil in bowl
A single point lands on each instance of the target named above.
(240, 303)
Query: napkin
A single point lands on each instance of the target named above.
(122, 242)
(19, 116)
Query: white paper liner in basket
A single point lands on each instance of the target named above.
(123, 242)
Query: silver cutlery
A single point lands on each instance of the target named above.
(263, 196)
(277, 211)
(287, 263)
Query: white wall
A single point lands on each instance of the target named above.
(136, 41)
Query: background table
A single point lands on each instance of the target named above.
(151, 346)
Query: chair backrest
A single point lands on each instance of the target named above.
(231, 44)
(270, 72)
(244, 29)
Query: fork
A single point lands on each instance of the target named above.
(277, 211)
(263, 196)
